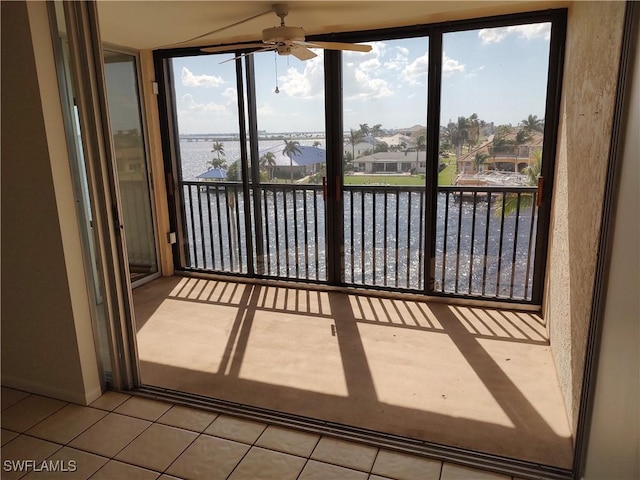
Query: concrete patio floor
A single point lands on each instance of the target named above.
(476, 378)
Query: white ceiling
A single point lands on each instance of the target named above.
(145, 25)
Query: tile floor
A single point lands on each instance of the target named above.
(125, 437)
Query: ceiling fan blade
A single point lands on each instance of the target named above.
(354, 47)
(266, 49)
(231, 48)
(302, 53)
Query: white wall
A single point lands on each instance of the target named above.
(614, 447)
(47, 338)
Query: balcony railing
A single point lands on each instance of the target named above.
(484, 240)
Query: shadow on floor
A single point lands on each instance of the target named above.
(474, 378)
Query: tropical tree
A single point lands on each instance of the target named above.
(317, 143)
(474, 130)
(354, 137)
(291, 148)
(375, 131)
(532, 174)
(421, 142)
(479, 159)
(233, 173)
(532, 124)
(457, 134)
(522, 137)
(218, 147)
(268, 162)
(365, 129)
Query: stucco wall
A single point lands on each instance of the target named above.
(614, 442)
(47, 339)
(594, 34)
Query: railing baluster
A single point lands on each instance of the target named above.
(219, 227)
(444, 242)
(266, 229)
(229, 228)
(397, 237)
(277, 226)
(352, 249)
(374, 239)
(473, 238)
(534, 203)
(363, 244)
(499, 279)
(486, 243)
(238, 234)
(286, 229)
(421, 246)
(386, 237)
(460, 196)
(306, 233)
(515, 245)
(204, 253)
(316, 240)
(211, 241)
(409, 208)
(294, 194)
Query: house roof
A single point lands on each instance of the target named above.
(307, 156)
(213, 173)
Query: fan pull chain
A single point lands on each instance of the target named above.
(275, 59)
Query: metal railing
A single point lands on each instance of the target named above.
(484, 236)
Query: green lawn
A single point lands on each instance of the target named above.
(447, 176)
(384, 179)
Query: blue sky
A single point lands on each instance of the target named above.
(498, 73)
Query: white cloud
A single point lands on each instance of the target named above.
(449, 65)
(188, 104)
(415, 73)
(531, 31)
(400, 60)
(307, 84)
(189, 79)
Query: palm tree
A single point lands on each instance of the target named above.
(479, 159)
(532, 124)
(354, 137)
(364, 128)
(218, 162)
(375, 131)
(532, 174)
(268, 161)
(522, 137)
(420, 144)
(474, 130)
(291, 148)
(317, 143)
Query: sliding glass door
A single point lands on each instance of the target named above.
(133, 175)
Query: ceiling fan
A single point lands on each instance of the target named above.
(288, 40)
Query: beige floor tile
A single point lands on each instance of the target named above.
(458, 472)
(66, 424)
(110, 400)
(110, 435)
(187, 418)
(238, 429)
(406, 467)
(11, 396)
(7, 436)
(25, 448)
(143, 408)
(70, 464)
(267, 464)
(208, 458)
(288, 441)
(346, 454)
(114, 470)
(157, 447)
(323, 471)
(166, 477)
(376, 477)
(26, 413)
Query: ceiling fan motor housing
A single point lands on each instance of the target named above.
(283, 35)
